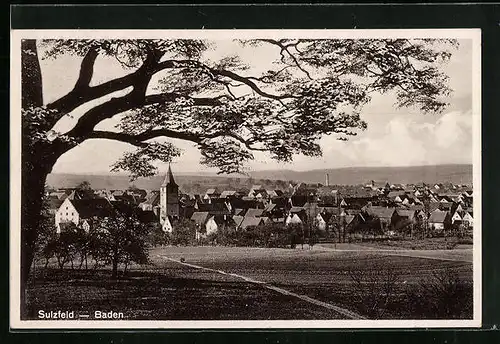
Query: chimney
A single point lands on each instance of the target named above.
(327, 181)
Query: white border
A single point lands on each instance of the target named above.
(15, 177)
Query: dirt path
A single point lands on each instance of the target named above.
(345, 312)
(463, 255)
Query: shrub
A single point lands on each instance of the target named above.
(443, 296)
(373, 291)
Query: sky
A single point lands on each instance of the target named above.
(395, 137)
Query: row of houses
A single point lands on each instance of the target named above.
(372, 206)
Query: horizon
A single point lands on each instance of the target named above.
(97, 173)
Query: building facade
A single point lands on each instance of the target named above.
(169, 198)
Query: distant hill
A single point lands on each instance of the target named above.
(457, 174)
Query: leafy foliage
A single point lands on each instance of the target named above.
(139, 162)
(121, 239)
(184, 232)
(315, 88)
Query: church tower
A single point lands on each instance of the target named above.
(169, 197)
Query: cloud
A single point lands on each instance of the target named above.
(453, 128)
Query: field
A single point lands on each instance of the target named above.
(251, 283)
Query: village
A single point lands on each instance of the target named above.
(339, 213)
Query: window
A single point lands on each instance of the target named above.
(72, 214)
(66, 214)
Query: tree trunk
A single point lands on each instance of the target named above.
(114, 274)
(31, 95)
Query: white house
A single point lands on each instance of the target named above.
(320, 222)
(456, 217)
(437, 219)
(66, 213)
(80, 211)
(206, 224)
(167, 225)
(292, 219)
(468, 219)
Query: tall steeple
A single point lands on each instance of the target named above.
(169, 198)
(169, 178)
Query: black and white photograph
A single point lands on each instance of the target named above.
(245, 178)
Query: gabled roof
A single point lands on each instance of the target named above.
(380, 212)
(271, 193)
(438, 216)
(257, 188)
(227, 193)
(238, 220)
(295, 219)
(55, 203)
(254, 212)
(394, 194)
(212, 191)
(88, 208)
(59, 195)
(200, 217)
(214, 208)
(239, 211)
(410, 214)
(249, 221)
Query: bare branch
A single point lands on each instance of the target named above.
(284, 48)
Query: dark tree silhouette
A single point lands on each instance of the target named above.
(315, 88)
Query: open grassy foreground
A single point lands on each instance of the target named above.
(350, 277)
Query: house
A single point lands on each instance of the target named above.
(403, 219)
(382, 214)
(60, 195)
(80, 211)
(211, 193)
(237, 219)
(456, 219)
(467, 219)
(293, 219)
(257, 191)
(438, 219)
(216, 208)
(227, 194)
(379, 185)
(250, 221)
(254, 212)
(205, 223)
(321, 222)
(167, 225)
(54, 204)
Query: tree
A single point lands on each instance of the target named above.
(121, 239)
(85, 185)
(184, 232)
(315, 88)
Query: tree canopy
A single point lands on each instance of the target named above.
(315, 88)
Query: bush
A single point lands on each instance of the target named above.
(184, 233)
(443, 296)
(374, 290)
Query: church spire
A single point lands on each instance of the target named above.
(169, 178)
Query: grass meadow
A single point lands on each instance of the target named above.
(374, 283)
